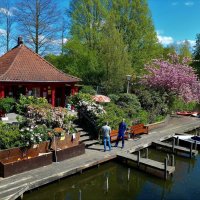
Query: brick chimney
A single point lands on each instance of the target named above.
(20, 40)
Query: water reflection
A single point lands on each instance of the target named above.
(110, 182)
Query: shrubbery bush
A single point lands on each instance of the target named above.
(7, 104)
(88, 90)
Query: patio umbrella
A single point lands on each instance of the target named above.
(101, 98)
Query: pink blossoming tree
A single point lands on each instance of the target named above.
(174, 76)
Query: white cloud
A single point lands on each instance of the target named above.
(2, 32)
(6, 12)
(164, 40)
(174, 3)
(189, 3)
(192, 43)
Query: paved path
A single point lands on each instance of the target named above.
(177, 124)
(10, 187)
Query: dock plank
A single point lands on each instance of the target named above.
(147, 162)
(94, 156)
(176, 148)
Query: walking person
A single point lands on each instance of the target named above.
(121, 132)
(106, 136)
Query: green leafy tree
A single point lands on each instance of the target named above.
(108, 38)
(196, 55)
(134, 21)
(184, 49)
(170, 49)
(114, 58)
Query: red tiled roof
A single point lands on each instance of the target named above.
(23, 65)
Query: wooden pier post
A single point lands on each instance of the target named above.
(195, 145)
(128, 174)
(107, 186)
(147, 153)
(167, 158)
(80, 195)
(172, 160)
(173, 144)
(191, 147)
(22, 196)
(165, 169)
(138, 159)
(177, 141)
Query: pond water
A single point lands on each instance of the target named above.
(92, 184)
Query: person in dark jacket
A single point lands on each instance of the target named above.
(121, 132)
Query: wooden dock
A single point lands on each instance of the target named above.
(176, 149)
(15, 185)
(150, 166)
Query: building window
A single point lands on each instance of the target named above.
(36, 92)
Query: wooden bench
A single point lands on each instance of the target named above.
(138, 129)
(114, 134)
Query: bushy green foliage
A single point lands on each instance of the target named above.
(9, 136)
(75, 99)
(88, 90)
(114, 97)
(7, 104)
(114, 115)
(179, 105)
(25, 101)
(154, 102)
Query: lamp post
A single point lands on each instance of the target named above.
(128, 77)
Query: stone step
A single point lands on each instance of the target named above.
(90, 142)
(78, 129)
(83, 133)
(84, 138)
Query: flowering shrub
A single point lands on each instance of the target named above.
(52, 117)
(75, 99)
(25, 101)
(33, 135)
(175, 76)
(92, 109)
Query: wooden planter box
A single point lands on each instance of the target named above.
(67, 153)
(67, 147)
(65, 142)
(17, 160)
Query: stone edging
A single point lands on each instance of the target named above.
(159, 124)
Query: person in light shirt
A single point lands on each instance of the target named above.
(106, 136)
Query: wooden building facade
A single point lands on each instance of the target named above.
(24, 72)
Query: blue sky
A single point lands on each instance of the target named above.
(176, 20)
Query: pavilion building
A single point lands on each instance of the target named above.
(24, 72)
